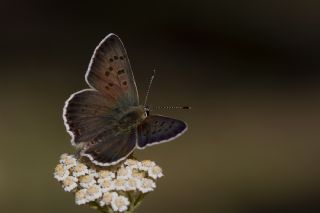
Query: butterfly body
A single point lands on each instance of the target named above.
(132, 117)
(106, 121)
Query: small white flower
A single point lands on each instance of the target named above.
(60, 172)
(93, 192)
(132, 184)
(87, 181)
(105, 174)
(120, 203)
(81, 197)
(70, 183)
(146, 185)
(155, 172)
(106, 185)
(138, 174)
(120, 184)
(79, 170)
(124, 173)
(68, 161)
(134, 164)
(146, 164)
(93, 172)
(107, 198)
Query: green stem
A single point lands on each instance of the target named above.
(95, 205)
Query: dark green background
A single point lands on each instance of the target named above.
(249, 69)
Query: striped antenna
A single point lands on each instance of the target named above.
(149, 86)
(170, 107)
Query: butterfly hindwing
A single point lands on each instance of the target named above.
(110, 147)
(110, 72)
(158, 129)
(88, 113)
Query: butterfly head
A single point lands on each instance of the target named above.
(147, 110)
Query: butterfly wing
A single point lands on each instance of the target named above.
(110, 72)
(111, 147)
(88, 113)
(91, 120)
(157, 129)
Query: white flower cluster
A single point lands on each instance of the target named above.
(109, 187)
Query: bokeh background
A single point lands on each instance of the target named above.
(249, 69)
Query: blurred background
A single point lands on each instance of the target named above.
(249, 69)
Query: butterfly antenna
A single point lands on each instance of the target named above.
(171, 107)
(149, 86)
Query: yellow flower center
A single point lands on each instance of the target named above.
(86, 179)
(107, 198)
(104, 174)
(122, 172)
(81, 194)
(92, 190)
(68, 181)
(156, 170)
(106, 183)
(137, 174)
(120, 202)
(119, 182)
(80, 167)
(132, 182)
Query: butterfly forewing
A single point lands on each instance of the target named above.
(158, 129)
(110, 72)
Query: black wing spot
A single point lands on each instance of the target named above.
(115, 57)
(107, 73)
(111, 84)
(120, 72)
(162, 123)
(121, 57)
(156, 122)
(107, 88)
(170, 127)
(111, 59)
(124, 83)
(110, 68)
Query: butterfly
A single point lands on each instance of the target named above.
(106, 121)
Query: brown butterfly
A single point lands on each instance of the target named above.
(106, 122)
